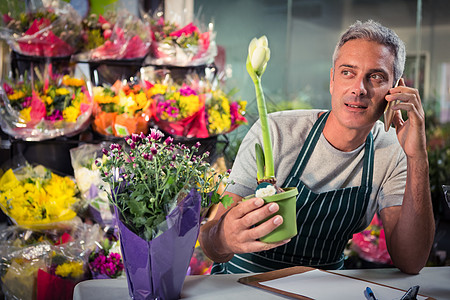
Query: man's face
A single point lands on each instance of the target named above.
(363, 74)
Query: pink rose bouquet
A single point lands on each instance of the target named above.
(53, 29)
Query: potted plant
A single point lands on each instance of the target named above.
(258, 56)
(158, 189)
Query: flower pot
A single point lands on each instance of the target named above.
(156, 269)
(287, 209)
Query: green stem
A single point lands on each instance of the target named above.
(267, 143)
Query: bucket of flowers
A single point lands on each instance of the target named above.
(158, 189)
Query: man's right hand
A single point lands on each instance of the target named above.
(235, 230)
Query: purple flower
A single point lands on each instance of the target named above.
(187, 91)
(104, 151)
(155, 134)
(135, 137)
(55, 116)
(153, 150)
(168, 141)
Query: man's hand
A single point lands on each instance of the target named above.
(410, 133)
(236, 231)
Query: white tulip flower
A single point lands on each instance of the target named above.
(258, 55)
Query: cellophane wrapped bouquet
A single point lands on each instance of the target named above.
(106, 260)
(45, 106)
(87, 175)
(158, 189)
(34, 196)
(196, 109)
(46, 262)
(116, 35)
(176, 45)
(123, 108)
(45, 29)
(370, 244)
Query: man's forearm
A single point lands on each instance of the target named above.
(413, 235)
(211, 241)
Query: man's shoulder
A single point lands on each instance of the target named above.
(302, 116)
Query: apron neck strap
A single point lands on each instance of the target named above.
(311, 141)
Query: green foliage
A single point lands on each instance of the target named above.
(438, 148)
(147, 181)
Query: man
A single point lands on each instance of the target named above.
(345, 166)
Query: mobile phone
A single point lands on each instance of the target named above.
(388, 112)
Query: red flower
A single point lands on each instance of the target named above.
(189, 29)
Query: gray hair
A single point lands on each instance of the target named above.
(373, 31)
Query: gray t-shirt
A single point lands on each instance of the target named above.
(328, 168)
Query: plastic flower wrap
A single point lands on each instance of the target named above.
(115, 36)
(45, 263)
(175, 45)
(106, 260)
(370, 244)
(52, 29)
(122, 109)
(45, 107)
(36, 197)
(195, 110)
(88, 179)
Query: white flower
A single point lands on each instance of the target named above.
(266, 191)
(259, 54)
(85, 178)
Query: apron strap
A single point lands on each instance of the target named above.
(307, 149)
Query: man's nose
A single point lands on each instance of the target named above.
(359, 87)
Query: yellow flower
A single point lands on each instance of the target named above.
(62, 91)
(37, 200)
(47, 99)
(189, 105)
(218, 122)
(69, 81)
(157, 89)
(16, 96)
(72, 269)
(71, 113)
(25, 114)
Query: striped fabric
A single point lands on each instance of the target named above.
(325, 221)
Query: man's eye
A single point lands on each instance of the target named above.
(377, 76)
(346, 72)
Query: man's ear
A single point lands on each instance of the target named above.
(331, 80)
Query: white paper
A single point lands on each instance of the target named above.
(318, 284)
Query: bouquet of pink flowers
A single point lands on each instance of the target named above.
(114, 36)
(106, 261)
(370, 244)
(181, 46)
(195, 110)
(53, 29)
(45, 107)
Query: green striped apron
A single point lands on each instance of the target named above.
(325, 221)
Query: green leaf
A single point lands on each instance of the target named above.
(227, 200)
(260, 161)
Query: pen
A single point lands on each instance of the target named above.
(411, 294)
(369, 294)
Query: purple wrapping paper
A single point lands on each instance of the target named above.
(156, 269)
